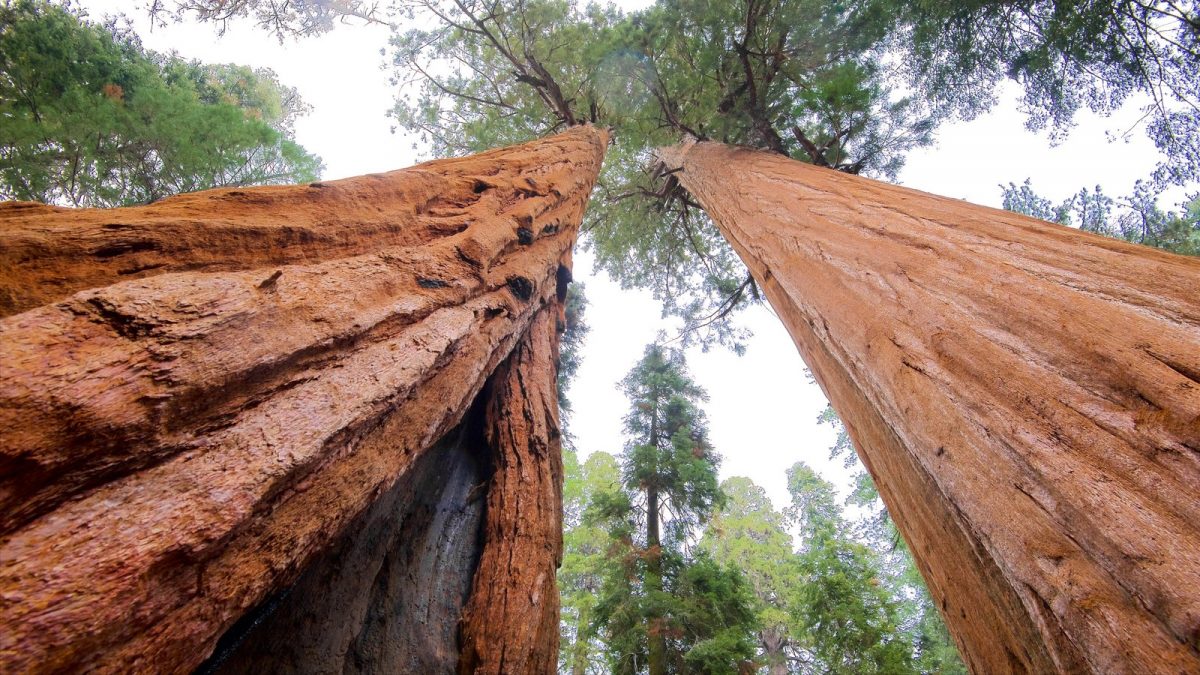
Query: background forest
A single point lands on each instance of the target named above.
(667, 568)
(90, 118)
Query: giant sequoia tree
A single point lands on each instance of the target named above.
(819, 247)
(1012, 367)
(245, 408)
(791, 77)
(813, 80)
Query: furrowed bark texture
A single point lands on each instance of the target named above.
(515, 583)
(1026, 396)
(388, 596)
(50, 252)
(391, 596)
(178, 447)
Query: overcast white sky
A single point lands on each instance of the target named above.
(762, 409)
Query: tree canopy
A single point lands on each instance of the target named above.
(805, 590)
(1066, 56)
(853, 85)
(284, 19)
(748, 533)
(1135, 218)
(850, 618)
(585, 561)
(790, 77)
(90, 118)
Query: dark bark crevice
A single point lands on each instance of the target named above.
(387, 597)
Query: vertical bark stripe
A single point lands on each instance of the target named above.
(510, 624)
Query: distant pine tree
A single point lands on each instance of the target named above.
(664, 607)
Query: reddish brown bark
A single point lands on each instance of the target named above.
(178, 447)
(515, 584)
(1026, 396)
(50, 252)
(387, 597)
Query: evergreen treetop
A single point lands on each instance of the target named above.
(89, 118)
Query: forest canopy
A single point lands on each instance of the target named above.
(665, 570)
(854, 85)
(90, 118)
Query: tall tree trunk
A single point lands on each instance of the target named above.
(656, 641)
(1026, 396)
(179, 447)
(50, 252)
(657, 644)
(516, 583)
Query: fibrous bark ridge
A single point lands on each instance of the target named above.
(183, 439)
(1025, 396)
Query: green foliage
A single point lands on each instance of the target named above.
(669, 453)
(585, 562)
(1135, 218)
(284, 19)
(703, 612)
(845, 599)
(710, 618)
(256, 91)
(801, 78)
(478, 75)
(1022, 199)
(91, 119)
(814, 505)
(570, 349)
(850, 619)
(663, 606)
(1066, 55)
(748, 533)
